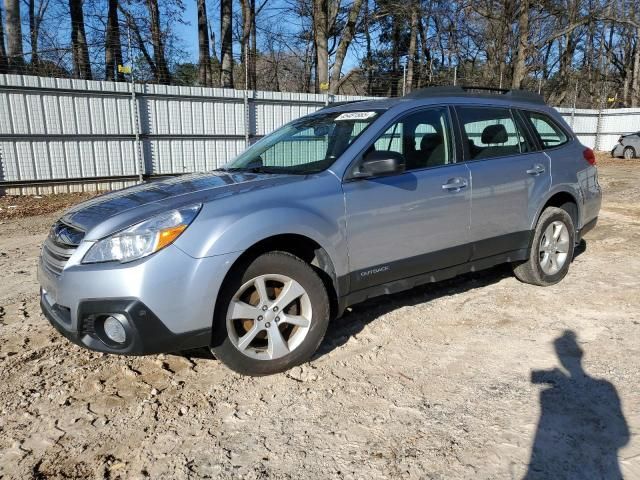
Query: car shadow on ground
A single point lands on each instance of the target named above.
(359, 316)
(581, 426)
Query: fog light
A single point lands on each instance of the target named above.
(114, 330)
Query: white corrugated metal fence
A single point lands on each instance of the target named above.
(62, 134)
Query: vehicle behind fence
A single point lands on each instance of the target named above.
(59, 135)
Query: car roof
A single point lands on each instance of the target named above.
(424, 96)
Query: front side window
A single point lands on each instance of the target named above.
(490, 132)
(423, 139)
(549, 134)
(310, 144)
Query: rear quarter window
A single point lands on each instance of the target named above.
(548, 132)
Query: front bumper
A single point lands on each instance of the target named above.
(145, 333)
(618, 150)
(167, 299)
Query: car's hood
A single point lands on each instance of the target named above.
(114, 211)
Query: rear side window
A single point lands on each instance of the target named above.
(548, 132)
(490, 132)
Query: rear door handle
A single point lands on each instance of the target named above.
(455, 184)
(537, 169)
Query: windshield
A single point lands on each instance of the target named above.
(310, 144)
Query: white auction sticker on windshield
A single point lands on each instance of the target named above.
(355, 115)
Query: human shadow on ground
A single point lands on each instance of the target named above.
(581, 426)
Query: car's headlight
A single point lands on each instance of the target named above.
(142, 239)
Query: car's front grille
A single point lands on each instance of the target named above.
(62, 241)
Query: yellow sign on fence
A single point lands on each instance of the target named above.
(124, 69)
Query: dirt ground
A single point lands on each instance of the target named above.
(464, 379)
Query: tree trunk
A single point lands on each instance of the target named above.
(635, 83)
(162, 71)
(369, 54)
(253, 56)
(395, 57)
(345, 40)
(80, 49)
(309, 56)
(204, 66)
(3, 52)
(520, 66)
(321, 36)
(245, 41)
(33, 33)
(113, 46)
(246, 36)
(425, 56)
(15, 58)
(215, 61)
(226, 56)
(413, 46)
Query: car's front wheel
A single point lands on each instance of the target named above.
(272, 314)
(551, 249)
(629, 153)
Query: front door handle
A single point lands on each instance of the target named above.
(537, 169)
(455, 184)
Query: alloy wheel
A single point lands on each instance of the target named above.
(269, 317)
(554, 247)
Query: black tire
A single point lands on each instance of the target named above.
(280, 263)
(629, 152)
(531, 271)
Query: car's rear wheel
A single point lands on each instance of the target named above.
(272, 315)
(551, 249)
(629, 153)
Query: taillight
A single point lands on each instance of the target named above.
(589, 156)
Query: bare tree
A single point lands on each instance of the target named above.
(113, 45)
(205, 75)
(321, 16)
(226, 55)
(345, 40)
(413, 47)
(36, 16)
(79, 47)
(245, 42)
(15, 58)
(3, 52)
(161, 68)
(519, 65)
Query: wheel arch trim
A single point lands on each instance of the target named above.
(571, 193)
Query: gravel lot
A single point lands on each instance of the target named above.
(464, 379)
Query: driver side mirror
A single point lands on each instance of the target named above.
(376, 164)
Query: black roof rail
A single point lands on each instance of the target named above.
(338, 104)
(451, 91)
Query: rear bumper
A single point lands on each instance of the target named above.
(145, 333)
(587, 228)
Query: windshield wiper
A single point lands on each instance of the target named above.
(256, 169)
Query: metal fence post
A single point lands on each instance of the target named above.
(575, 102)
(137, 154)
(135, 118)
(247, 119)
(596, 143)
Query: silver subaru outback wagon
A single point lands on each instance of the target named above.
(356, 200)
